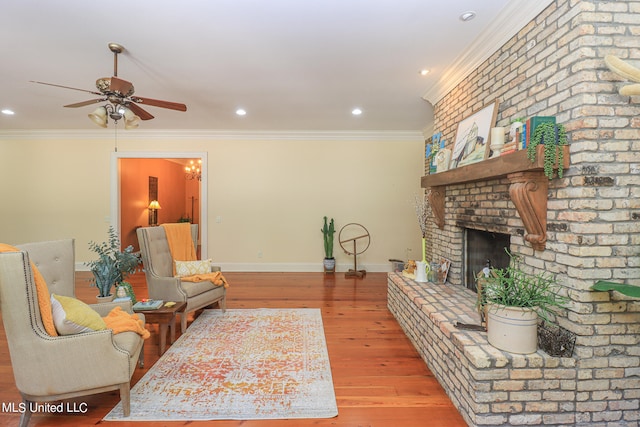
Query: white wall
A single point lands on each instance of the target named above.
(269, 190)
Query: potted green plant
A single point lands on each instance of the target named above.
(515, 300)
(553, 136)
(112, 266)
(328, 230)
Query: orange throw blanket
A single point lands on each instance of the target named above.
(42, 292)
(215, 277)
(180, 242)
(121, 321)
(182, 249)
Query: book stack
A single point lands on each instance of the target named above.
(525, 133)
(149, 304)
(508, 148)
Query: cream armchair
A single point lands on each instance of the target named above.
(55, 260)
(49, 368)
(158, 268)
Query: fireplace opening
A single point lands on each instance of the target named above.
(483, 248)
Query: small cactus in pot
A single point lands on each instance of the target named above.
(328, 230)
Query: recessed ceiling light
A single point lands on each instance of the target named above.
(356, 111)
(467, 16)
(8, 112)
(241, 112)
(424, 72)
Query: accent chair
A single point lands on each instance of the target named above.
(163, 285)
(50, 368)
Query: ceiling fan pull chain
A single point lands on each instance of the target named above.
(115, 148)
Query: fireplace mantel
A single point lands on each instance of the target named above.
(528, 188)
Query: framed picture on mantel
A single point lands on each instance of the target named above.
(472, 137)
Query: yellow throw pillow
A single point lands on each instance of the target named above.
(72, 316)
(190, 268)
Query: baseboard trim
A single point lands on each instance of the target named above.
(297, 267)
(283, 267)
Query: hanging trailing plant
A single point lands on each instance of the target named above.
(553, 136)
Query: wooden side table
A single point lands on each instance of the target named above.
(165, 317)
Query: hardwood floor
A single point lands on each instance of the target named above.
(379, 378)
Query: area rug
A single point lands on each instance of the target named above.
(239, 365)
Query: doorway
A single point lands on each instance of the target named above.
(194, 206)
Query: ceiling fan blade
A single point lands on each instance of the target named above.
(159, 103)
(83, 103)
(139, 111)
(120, 86)
(65, 87)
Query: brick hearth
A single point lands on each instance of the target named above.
(488, 386)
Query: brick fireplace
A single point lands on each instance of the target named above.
(553, 67)
(507, 195)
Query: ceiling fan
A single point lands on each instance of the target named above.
(121, 103)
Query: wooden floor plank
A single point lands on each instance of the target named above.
(379, 378)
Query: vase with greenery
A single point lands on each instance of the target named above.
(328, 230)
(113, 265)
(515, 299)
(553, 136)
(421, 206)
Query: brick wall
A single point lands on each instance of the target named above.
(594, 211)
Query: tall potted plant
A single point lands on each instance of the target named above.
(515, 300)
(112, 266)
(328, 230)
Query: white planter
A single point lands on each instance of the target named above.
(421, 271)
(329, 265)
(512, 329)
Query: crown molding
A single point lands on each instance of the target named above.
(215, 135)
(494, 37)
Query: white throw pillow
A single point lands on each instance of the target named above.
(190, 268)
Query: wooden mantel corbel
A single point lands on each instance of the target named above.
(436, 200)
(528, 189)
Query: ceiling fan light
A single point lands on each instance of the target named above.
(131, 121)
(131, 124)
(128, 114)
(99, 117)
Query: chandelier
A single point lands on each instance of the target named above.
(193, 171)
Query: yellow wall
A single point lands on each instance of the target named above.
(270, 192)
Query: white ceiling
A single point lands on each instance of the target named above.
(292, 64)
